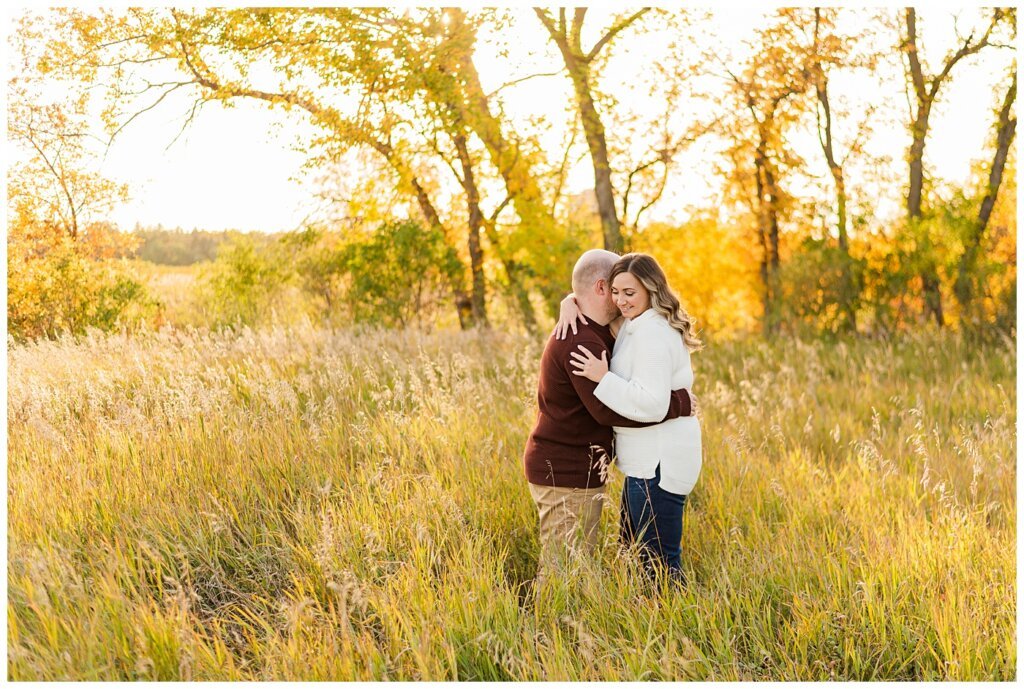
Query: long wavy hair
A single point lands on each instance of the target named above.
(663, 300)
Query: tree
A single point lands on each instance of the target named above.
(213, 53)
(1006, 127)
(538, 245)
(62, 273)
(830, 50)
(584, 67)
(244, 283)
(55, 185)
(765, 98)
(578, 64)
(925, 89)
(359, 75)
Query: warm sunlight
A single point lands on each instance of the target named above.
(529, 344)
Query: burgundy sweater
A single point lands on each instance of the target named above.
(573, 434)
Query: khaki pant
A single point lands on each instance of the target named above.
(568, 520)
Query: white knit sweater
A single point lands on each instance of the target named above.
(648, 362)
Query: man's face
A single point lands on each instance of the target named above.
(607, 301)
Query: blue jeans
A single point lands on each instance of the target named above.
(653, 518)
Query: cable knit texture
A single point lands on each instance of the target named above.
(649, 361)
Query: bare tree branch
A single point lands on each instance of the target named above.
(612, 32)
(196, 107)
(564, 165)
(152, 105)
(548, 23)
(576, 28)
(521, 80)
(968, 48)
(653, 200)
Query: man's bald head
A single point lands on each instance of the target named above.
(590, 285)
(592, 266)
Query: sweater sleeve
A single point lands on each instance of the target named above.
(645, 396)
(585, 389)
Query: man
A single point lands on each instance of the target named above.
(570, 448)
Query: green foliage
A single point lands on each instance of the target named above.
(936, 244)
(177, 247)
(396, 275)
(399, 274)
(245, 284)
(55, 288)
(319, 262)
(63, 269)
(814, 286)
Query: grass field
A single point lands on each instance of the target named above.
(314, 504)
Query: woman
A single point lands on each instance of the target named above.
(651, 358)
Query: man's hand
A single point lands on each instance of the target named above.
(694, 405)
(568, 312)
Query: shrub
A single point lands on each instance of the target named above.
(55, 287)
(244, 284)
(399, 275)
(815, 287)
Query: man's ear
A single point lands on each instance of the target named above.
(601, 287)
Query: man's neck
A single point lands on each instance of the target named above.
(595, 315)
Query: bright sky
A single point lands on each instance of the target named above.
(240, 168)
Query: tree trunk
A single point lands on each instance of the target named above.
(773, 246)
(963, 288)
(598, 145)
(919, 133)
(429, 214)
(932, 295)
(464, 98)
(763, 232)
(930, 284)
(514, 272)
(773, 219)
(925, 91)
(578, 65)
(513, 165)
(846, 298)
(475, 111)
(915, 160)
(1007, 129)
(476, 222)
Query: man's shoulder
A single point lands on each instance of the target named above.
(586, 335)
(556, 352)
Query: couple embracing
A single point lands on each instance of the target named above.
(615, 388)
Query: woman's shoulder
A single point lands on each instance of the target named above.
(656, 331)
(653, 322)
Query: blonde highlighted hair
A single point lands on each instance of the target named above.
(663, 300)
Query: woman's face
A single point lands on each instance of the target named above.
(629, 295)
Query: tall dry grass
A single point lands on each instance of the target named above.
(309, 504)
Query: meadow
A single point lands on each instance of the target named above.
(307, 503)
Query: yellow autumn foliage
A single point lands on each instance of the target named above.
(712, 268)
